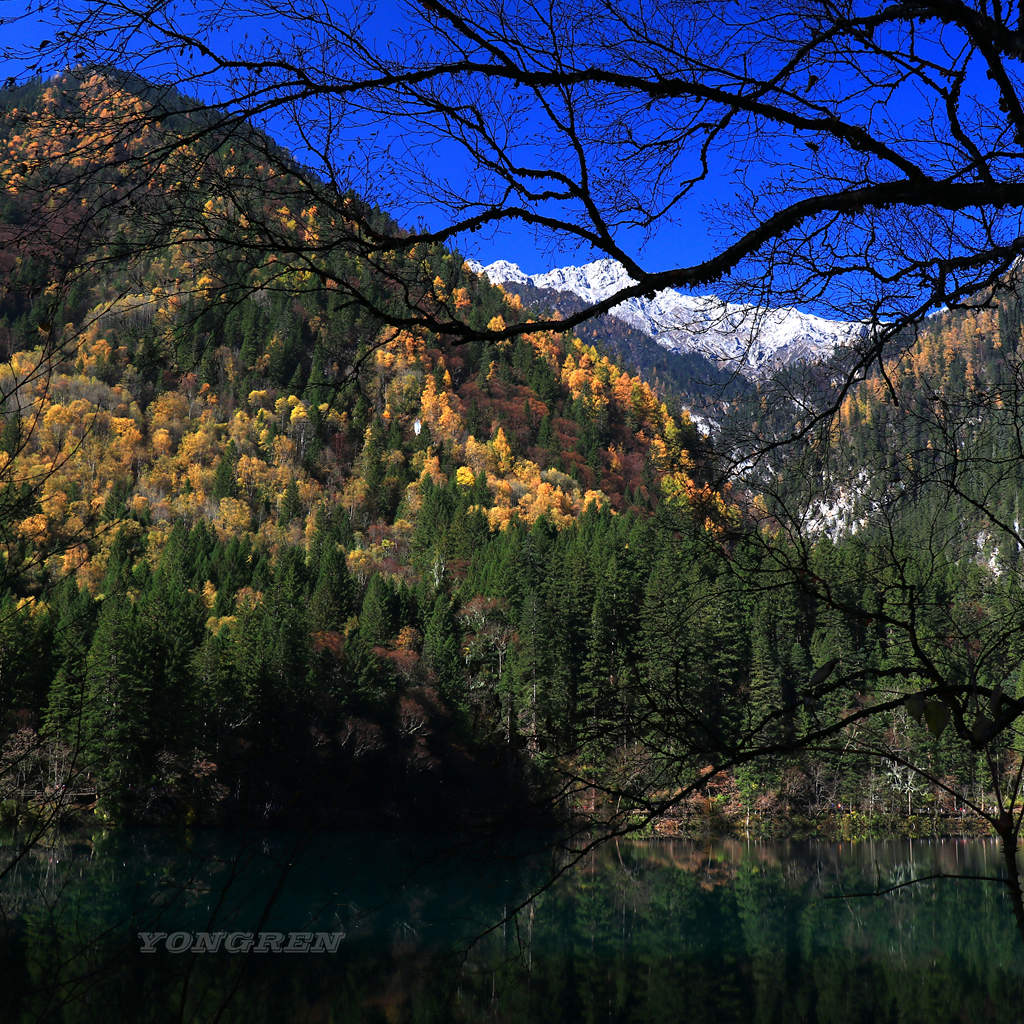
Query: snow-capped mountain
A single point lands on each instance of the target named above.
(739, 337)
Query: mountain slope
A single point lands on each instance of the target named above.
(261, 544)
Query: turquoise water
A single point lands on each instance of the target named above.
(428, 930)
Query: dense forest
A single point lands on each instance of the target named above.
(268, 556)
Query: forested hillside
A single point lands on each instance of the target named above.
(685, 377)
(232, 545)
(268, 555)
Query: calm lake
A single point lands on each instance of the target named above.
(427, 930)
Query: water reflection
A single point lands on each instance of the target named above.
(730, 930)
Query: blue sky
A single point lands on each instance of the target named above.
(690, 235)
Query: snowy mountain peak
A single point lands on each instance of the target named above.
(592, 281)
(746, 338)
(501, 272)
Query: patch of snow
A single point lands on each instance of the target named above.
(837, 516)
(704, 424)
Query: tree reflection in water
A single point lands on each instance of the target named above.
(720, 931)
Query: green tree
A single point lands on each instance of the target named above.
(291, 504)
(441, 650)
(376, 622)
(334, 595)
(116, 718)
(224, 484)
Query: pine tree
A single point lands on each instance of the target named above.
(605, 691)
(291, 504)
(26, 664)
(545, 434)
(115, 506)
(170, 621)
(286, 625)
(295, 385)
(368, 679)
(75, 618)
(116, 726)
(334, 595)
(441, 650)
(693, 656)
(224, 485)
(539, 675)
(376, 625)
(10, 438)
